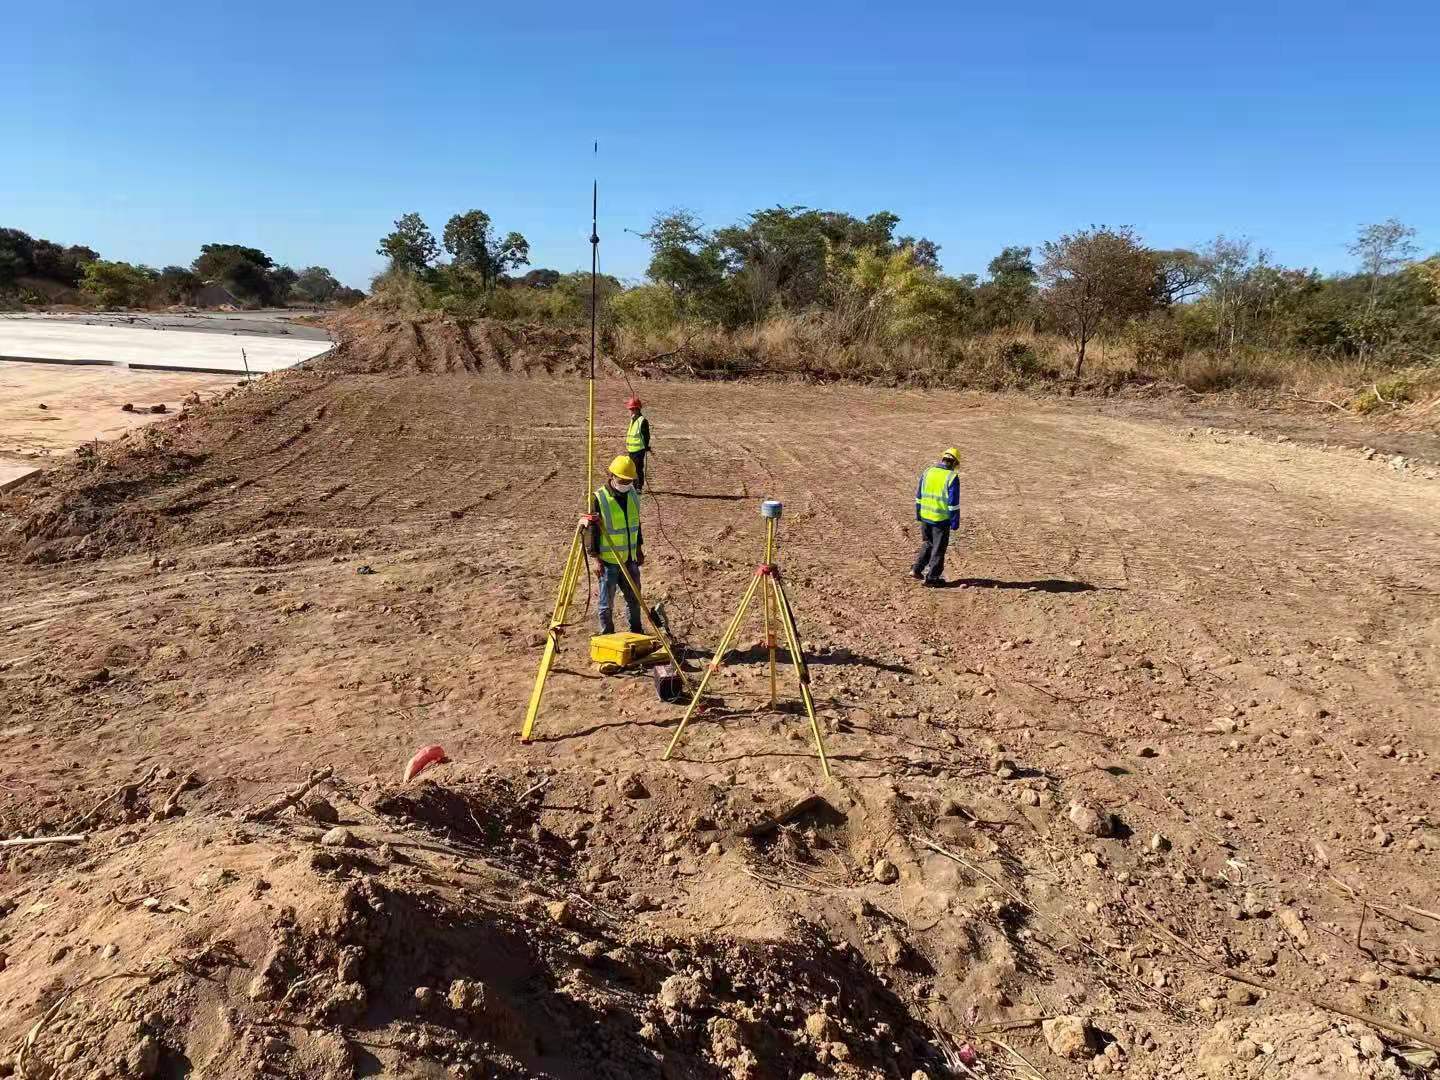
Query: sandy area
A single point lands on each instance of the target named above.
(82, 404)
(1171, 727)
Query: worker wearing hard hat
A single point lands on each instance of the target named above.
(637, 440)
(614, 538)
(937, 509)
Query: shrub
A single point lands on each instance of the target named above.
(649, 309)
(117, 284)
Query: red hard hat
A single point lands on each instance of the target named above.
(633, 403)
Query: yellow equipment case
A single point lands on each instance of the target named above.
(621, 650)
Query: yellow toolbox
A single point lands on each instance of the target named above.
(622, 650)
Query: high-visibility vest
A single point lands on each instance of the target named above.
(934, 497)
(619, 525)
(634, 437)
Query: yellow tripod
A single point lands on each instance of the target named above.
(569, 581)
(575, 562)
(777, 611)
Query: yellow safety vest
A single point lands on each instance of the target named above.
(619, 525)
(634, 438)
(934, 497)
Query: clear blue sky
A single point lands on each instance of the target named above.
(305, 129)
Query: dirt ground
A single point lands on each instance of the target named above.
(47, 409)
(1151, 789)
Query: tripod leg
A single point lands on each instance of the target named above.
(770, 636)
(656, 630)
(725, 643)
(574, 565)
(792, 636)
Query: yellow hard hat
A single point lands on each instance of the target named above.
(952, 454)
(623, 467)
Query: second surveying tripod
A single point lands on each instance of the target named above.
(777, 612)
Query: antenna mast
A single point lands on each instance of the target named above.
(594, 273)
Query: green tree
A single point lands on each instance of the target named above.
(570, 298)
(1229, 263)
(473, 245)
(411, 247)
(683, 256)
(902, 297)
(316, 285)
(1008, 297)
(1180, 275)
(1382, 249)
(540, 279)
(244, 271)
(61, 264)
(778, 258)
(1095, 278)
(1428, 272)
(118, 284)
(281, 279)
(16, 255)
(923, 252)
(176, 285)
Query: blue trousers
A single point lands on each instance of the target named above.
(610, 577)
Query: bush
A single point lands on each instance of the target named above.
(1403, 389)
(118, 284)
(1158, 341)
(648, 309)
(1209, 372)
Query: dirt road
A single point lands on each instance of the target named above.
(1228, 643)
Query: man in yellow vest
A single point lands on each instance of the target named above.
(614, 538)
(637, 440)
(937, 508)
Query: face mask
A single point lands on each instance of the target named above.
(622, 488)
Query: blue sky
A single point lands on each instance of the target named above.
(147, 130)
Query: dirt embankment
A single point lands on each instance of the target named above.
(1150, 791)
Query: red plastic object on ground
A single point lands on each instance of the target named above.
(423, 758)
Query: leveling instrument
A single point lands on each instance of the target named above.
(575, 561)
(778, 614)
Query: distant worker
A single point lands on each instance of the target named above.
(614, 538)
(637, 440)
(937, 508)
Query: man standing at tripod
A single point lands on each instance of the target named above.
(613, 539)
(937, 509)
(637, 440)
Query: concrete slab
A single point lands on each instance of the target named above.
(12, 476)
(69, 342)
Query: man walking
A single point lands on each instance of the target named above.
(613, 539)
(937, 508)
(637, 440)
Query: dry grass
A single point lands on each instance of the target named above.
(818, 347)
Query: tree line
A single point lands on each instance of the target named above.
(870, 282)
(480, 277)
(252, 277)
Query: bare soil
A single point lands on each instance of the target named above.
(47, 410)
(1217, 651)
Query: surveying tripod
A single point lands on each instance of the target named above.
(777, 613)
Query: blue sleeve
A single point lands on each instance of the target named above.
(954, 500)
